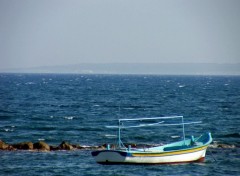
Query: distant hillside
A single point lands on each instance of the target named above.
(137, 68)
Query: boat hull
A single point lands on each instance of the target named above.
(124, 157)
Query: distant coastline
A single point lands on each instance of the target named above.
(136, 68)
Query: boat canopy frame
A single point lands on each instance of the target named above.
(120, 126)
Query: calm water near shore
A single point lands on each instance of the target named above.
(75, 108)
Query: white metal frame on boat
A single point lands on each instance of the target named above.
(161, 123)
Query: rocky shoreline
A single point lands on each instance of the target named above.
(43, 146)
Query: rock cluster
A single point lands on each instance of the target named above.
(43, 146)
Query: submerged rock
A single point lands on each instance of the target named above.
(216, 144)
(41, 146)
(23, 146)
(226, 146)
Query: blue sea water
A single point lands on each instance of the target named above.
(75, 108)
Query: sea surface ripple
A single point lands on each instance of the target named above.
(75, 108)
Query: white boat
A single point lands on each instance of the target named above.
(187, 150)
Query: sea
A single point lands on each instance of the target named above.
(77, 108)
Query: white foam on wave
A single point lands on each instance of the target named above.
(175, 137)
(180, 86)
(110, 135)
(8, 130)
(86, 146)
(69, 117)
(30, 83)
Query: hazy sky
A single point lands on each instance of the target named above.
(62, 32)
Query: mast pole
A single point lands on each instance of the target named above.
(119, 128)
(183, 130)
(119, 134)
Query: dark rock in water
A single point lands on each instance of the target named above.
(104, 146)
(3, 145)
(41, 146)
(77, 146)
(54, 148)
(65, 146)
(24, 146)
(101, 147)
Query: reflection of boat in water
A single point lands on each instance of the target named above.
(187, 150)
